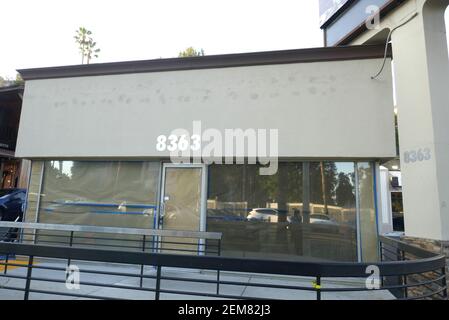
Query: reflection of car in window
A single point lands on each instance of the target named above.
(318, 218)
(263, 214)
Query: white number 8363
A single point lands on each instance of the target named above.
(174, 143)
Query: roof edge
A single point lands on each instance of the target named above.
(209, 62)
(337, 14)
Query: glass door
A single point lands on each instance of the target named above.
(182, 205)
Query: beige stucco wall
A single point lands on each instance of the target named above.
(323, 109)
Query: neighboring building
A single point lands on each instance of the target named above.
(91, 132)
(13, 171)
(419, 45)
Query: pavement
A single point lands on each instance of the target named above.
(123, 286)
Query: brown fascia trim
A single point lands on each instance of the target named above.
(361, 28)
(209, 62)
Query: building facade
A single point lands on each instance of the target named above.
(99, 139)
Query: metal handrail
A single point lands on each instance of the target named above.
(403, 246)
(429, 265)
(316, 270)
(114, 230)
(250, 265)
(149, 236)
(403, 285)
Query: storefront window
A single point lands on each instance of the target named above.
(397, 207)
(112, 194)
(306, 210)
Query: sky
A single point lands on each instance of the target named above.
(40, 33)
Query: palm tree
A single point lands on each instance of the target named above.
(86, 44)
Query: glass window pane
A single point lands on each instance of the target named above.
(307, 209)
(368, 220)
(398, 211)
(113, 194)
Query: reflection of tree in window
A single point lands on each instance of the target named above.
(323, 183)
(345, 191)
(242, 183)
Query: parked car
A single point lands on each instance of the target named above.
(12, 203)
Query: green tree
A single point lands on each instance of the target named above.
(19, 80)
(86, 45)
(191, 52)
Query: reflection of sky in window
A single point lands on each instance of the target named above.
(345, 167)
(328, 8)
(66, 167)
(348, 169)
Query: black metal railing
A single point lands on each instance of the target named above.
(42, 265)
(428, 284)
(154, 240)
(129, 239)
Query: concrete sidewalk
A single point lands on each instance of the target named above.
(122, 282)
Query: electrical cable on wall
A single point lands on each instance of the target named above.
(388, 41)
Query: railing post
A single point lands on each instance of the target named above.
(142, 266)
(158, 283)
(444, 282)
(381, 251)
(69, 261)
(218, 271)
(318, 287)
(381, 254)
(400, 256)
(28, 278)
(6, 263)
(404, 277)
